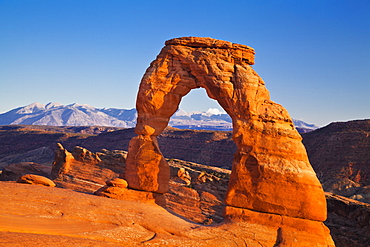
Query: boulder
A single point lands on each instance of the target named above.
(117, 189)
(36, 180)
(62, 162)
(117, 182)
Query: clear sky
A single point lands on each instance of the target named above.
(314, 55)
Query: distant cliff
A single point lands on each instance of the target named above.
(340, 155)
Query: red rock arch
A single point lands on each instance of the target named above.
(271, 172)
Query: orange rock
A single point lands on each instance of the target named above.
(271, 172)
(132, 195)
(117, 182)
(285, 230)
(83, 170)
(36, 180)
(184, 175)
(146, 169)
(62, 217)
(61, 162)
(186, 202)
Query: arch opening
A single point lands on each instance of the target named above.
(198, 100)
(199, 112)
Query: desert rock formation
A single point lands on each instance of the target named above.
(356, 215)
(200, 203)
(35, 180)
(268, 145)
(273, 197)
(271, 175)
(83, 170)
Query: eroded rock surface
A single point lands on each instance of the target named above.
(147, 169)
(36, 180)
(271, 172)
(83, 170)
(270, 164)
(62, 217)
(348, 220)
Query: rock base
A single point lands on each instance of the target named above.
(281, 230)
(132, 195)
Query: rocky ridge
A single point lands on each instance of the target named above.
(340, 155)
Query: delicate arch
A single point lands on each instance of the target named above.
(266, 140)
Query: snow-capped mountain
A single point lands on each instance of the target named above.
(304, 127)
(69, 115)
(212, 119)
(56, 114)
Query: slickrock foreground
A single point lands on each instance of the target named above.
(39, 216)
(271, 177)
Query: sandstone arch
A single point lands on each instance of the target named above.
(271, 172)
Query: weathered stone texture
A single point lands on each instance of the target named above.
(35, 180)
(147, 169)
(271, 163)
(82, 170)
(271, 172)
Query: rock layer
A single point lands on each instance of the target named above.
(83, 170)
(343, 173)
(271, 172)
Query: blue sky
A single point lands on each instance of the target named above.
(313, 55)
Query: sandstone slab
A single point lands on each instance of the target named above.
(132, 195)
(289, 231)
(62, 217)
(36, 180)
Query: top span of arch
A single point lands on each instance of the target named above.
(241, 51)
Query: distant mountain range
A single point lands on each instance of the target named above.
(56, 114)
